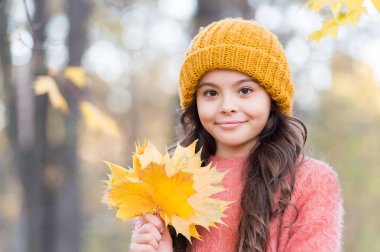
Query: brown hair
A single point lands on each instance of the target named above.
(270, 171)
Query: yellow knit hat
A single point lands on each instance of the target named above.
(240, 45)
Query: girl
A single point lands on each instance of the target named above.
(237, 95)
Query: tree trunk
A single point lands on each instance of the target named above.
(7, 95)
(32, 147)
(213, 10)
(69, 218)
(26, 130)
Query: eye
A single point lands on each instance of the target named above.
(245, 90)
(210, 93)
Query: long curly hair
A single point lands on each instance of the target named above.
(269, 174)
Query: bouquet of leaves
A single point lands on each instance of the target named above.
(177, 188)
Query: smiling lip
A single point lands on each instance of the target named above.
(230, 124)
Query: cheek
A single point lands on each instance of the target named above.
(266, 106)
(206, 111)
(259, 107)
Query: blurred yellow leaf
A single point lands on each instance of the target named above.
(330, 27)
(344, 12)
(376, 3)
(317, 5)
(76, 74)
(353, 4)
(351, 17)
(177, 188)
(336, 7)
(47, 85)
(95, 119)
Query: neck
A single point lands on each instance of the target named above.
(234, 151)
(231, 153)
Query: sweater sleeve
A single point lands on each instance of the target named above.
(317, 196)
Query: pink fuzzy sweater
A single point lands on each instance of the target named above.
(317, 195)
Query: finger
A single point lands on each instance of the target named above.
(139, 221)
(166, 234)
(135, 247)
(156, 221)
(151, 229)
(146, 238)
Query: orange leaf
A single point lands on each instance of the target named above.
(177, 188)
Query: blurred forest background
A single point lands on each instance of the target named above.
(116, 63)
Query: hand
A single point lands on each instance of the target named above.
(150, 234)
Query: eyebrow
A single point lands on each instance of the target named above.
(234, 84)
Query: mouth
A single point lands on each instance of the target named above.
(229, 124)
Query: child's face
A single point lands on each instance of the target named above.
(234, 109)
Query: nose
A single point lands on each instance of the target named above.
(228, 105)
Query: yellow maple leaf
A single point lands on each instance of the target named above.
(330, 27)
(344, 12)
(336, 7)
(47, 85)
(95, 119)
(376, 3)
(76, 74)
(178, 188)
(317, 5)
(353, 4)
(351, 17)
